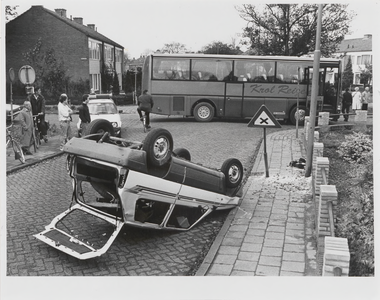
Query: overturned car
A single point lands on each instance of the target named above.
(147, 184)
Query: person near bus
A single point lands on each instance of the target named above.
(145, 103)
(25, 120)
(346, 103)
(64, 118)
(84, 114)
(365, 98)
(38, 109)
(356, 99)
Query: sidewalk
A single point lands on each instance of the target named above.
(271, 232)
(45, 150)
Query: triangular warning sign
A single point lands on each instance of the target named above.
(264, 118)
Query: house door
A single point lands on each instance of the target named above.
(233, 99)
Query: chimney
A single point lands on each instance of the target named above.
(78, 20)
(368, 36)
(61, 12)
(92, 26)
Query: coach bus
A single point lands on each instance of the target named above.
(235, 86)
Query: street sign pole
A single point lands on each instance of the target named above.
(265, 154)
(12, 79)
(263, 118)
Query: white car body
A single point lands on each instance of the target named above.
(102, 108)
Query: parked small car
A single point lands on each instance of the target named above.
(144, 184)
(102, 107)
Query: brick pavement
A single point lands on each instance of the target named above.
(271, 232)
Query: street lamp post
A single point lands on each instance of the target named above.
(314, 91)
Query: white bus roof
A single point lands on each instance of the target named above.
(225, 56)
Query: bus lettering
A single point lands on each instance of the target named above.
(258, 88)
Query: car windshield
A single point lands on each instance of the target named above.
(102, 108)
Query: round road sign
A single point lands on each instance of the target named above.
(27, 75)
(12, 75)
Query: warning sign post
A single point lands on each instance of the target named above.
(264, 119)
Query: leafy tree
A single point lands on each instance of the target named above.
(115, 85)
(174, 48)
(290, 29)
(366, 74)
(348, 75)
(107, 78)
(50, 71)
(220, 48)
(10, 12)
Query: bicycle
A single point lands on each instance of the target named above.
(143, 120)
(36, 137)
(14, 145)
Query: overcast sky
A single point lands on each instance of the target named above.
(143, 25)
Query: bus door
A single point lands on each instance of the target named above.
(233, 99)
(321, 80)
(331, 90)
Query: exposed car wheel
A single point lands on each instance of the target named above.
(182, 153)
(100, 126)
(158, 146)
(203, 112)
(302, 114)
(233, 171)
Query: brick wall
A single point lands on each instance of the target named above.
(69, 44)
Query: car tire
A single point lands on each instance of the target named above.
(303, 112)
(203, 112)
(233, 172)
(182, 153)
(100, 126)
(158, 146)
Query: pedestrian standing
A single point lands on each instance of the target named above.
(365, 98)
(356, 99)
(145, 103)
(346, 103)
(24, 118)
(64, 118)
(38, 110)
(84, 114)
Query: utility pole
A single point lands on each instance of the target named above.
(314, 92)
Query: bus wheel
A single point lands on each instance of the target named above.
(203, 112)
(302, 114)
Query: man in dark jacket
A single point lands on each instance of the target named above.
(84, 114)
(38, 110)
(145, 103)
(346, 103)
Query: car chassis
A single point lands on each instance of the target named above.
(146, 185)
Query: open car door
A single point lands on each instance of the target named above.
(90, 235)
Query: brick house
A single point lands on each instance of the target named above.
(85, 51)
(360, 51)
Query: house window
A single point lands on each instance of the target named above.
(95, 82)
(119, 55)
(108, 53)
(94, 50)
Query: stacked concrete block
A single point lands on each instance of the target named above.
(360, 120)
(317, 152)
(336, 258)
(324, 119)
(328, 193)
(320, 163)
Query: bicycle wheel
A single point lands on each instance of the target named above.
(144, 123)
(19, 154)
